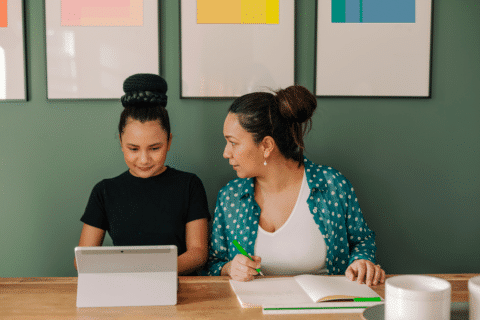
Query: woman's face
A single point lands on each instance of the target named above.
(145, 146)
(242, 152)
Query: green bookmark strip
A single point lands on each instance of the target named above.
(315, 308)
(367, 299)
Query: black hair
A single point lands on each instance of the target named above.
(285, 116)
(145, 100)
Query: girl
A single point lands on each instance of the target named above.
(150, 203)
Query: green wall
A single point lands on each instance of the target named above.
(415, 163)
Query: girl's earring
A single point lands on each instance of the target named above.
(265, 163)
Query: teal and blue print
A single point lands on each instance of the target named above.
(373, 11)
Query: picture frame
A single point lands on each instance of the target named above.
(13, 77)
(387, 54)
(226, 60)
(89, 58)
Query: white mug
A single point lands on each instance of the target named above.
(474, 301)
(417, 297)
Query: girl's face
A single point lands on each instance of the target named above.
(145, 146)
(242, 152)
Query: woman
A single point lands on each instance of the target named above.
(291, 215)
(150, 203)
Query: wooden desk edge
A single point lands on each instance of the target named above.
(198, 279)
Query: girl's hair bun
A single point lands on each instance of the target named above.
(144, 90)
(296, 104)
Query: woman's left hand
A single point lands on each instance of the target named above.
(365, 271)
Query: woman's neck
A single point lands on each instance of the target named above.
(279, 174)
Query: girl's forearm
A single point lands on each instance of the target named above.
(192, 260)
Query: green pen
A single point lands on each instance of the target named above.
(242, 251)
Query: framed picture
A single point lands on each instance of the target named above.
(379, 48)
(94, 45)
(230, 48)
(12, 51)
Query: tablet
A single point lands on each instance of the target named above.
(126, 276)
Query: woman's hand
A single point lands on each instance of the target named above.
(365, 271)
(241, 268)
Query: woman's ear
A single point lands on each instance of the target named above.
(268, 144)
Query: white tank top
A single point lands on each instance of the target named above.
(297, 247)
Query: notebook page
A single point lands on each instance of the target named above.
(320, 287)
(258, 292)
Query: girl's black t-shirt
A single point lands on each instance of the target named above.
(147, 211)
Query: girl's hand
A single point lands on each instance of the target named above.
(241, 268)
(365, 271)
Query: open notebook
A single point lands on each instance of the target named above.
(303, 290)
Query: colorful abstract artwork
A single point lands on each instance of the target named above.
(3, 14)
(373, 48)
(238, 11)
(233, 47)
(12, 53)
(102, 13)
(93, 45)
(373, 11)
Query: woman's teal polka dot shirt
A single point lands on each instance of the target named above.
(332, 203)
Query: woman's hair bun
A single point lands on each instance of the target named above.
(143, 90)
(296, 103)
